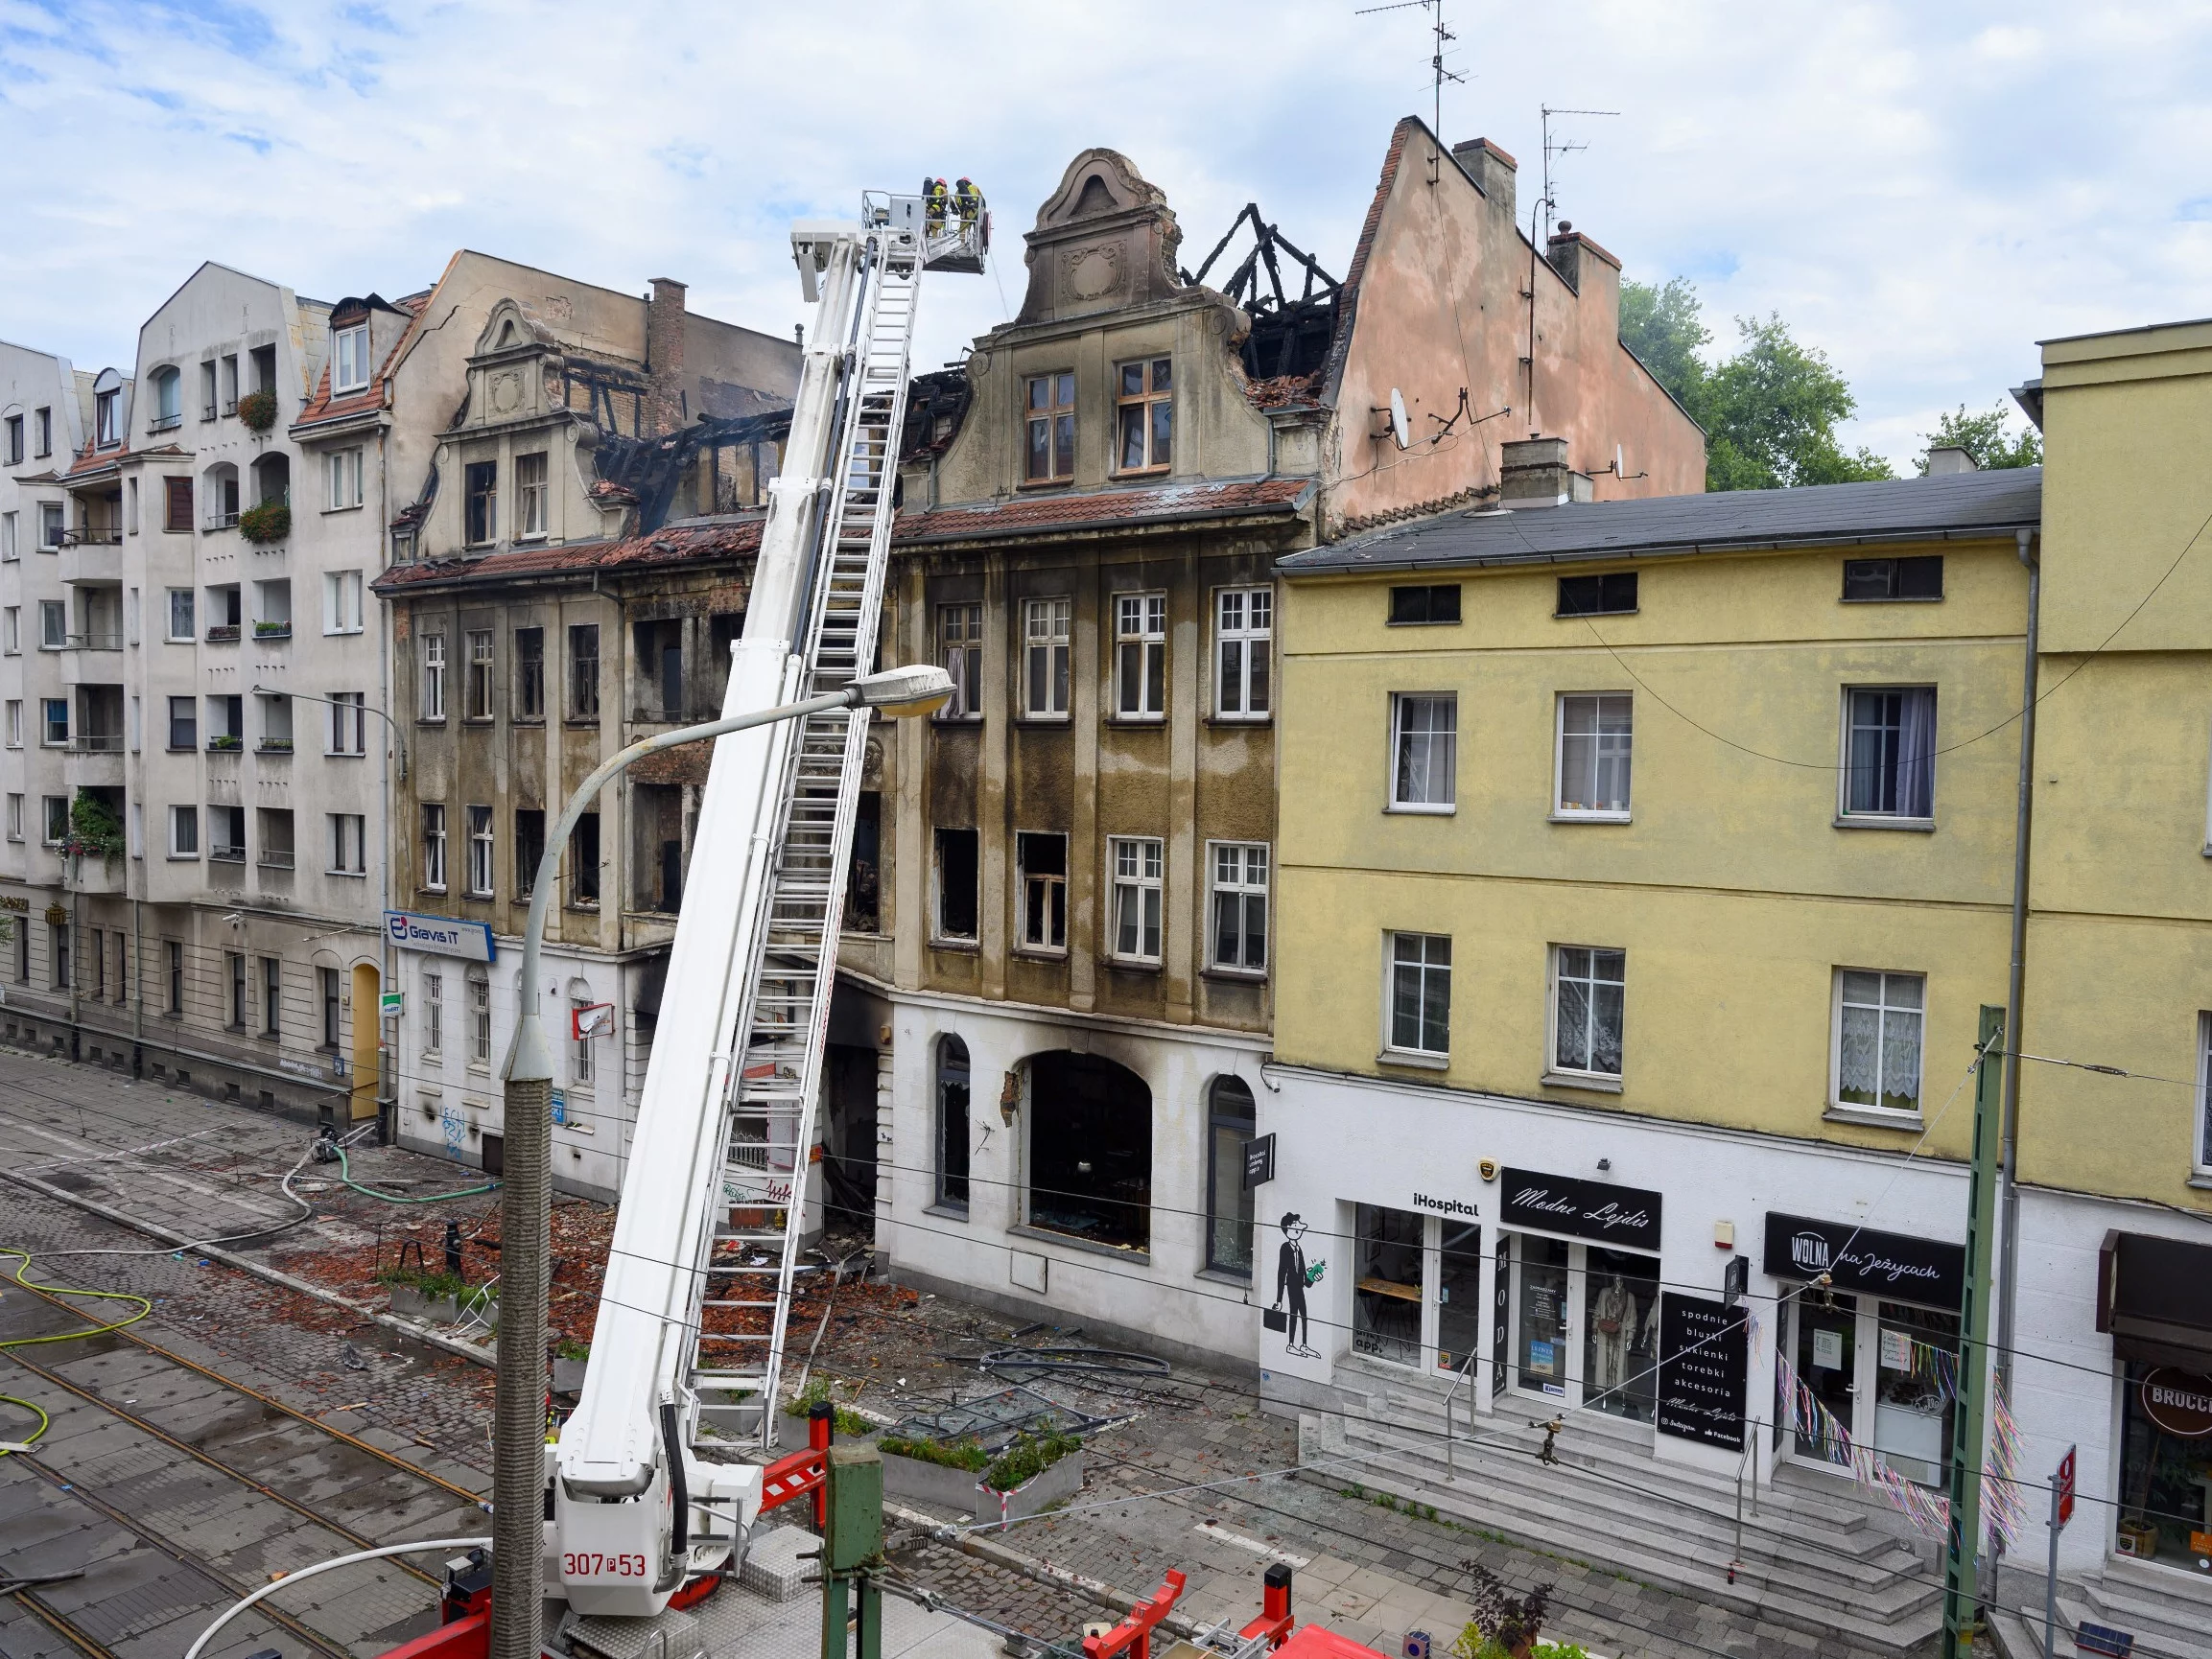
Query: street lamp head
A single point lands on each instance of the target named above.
(922, 688)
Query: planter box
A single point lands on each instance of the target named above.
(958, 1489)
(568, 1375)
(409, 1302)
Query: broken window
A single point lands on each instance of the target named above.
(953, 1124)
(723, 630)
(1139, 656)
(1043, 861)
(584, 672)
(529, 675)
(1145, 416)
(960, 648)
(528, 849)
(660, 670)
(584, 862)
(657, 852)
(480, 494)
(1230, 1127)
(1047, 638)
(1138, 866)
(1052, 427)
(864, 880)
(956, 861)
(1091, 1150)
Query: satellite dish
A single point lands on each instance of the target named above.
(1397, 422)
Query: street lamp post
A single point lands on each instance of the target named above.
(526, 1191)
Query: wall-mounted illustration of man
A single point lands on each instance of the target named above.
(1293, 1279)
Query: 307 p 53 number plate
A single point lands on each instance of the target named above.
(589, 1564)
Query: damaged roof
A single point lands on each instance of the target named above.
(1165, 505)
(692, 541)
(1953, 506)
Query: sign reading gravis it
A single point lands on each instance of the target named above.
(440, 935)
(1615, 1215)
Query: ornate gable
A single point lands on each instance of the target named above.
(514, 372)
(1105, 240)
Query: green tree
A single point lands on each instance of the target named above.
(1985, 438)
(1769, 412)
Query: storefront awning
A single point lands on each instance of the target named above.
(1858, 1259)
(2154, 1296)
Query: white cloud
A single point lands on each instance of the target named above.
(1920, 191)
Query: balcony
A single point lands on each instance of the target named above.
(164, 423)
(96, 743)
(93, 761)
(220, 522)
(223, 743)
(223, 633)
(93, 536)
(207, 412)
(272, 630)
(100, 877)
(104, 640)
(223, 853)
(273, 746)
(99, 563)
(276, 859)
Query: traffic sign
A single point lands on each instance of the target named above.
(2066, 1486)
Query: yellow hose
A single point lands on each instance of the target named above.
(22, 1267)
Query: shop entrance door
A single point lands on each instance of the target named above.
(1459, 1310)
(1827, 1364)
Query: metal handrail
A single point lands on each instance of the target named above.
(1465, 1374)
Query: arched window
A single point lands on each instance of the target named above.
(168, 399)
(1230, 1121)
(953, 1130)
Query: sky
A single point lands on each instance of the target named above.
(1922, 191)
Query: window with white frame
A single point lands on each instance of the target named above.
(1877, 1040)
(1047, 640)
(1138, 864)
(348, 843)
(341, 602)
(1589, 989)
(50, 526)
(14, 723)
(1139, 656)
(1145, 416)
(479, 852)
(1419, 1015)
(433, 677)
(11, 629)
(349, 358)
(478, 690)
(433, 1010)
(1041, 861)
(52, 625)
(183, 831)
(1244, 648)
(54, 722)
(960, 648)
(349, 722)
(15, 817)
(1596, 731)
(2204, 1091)
(7, 545)
(55, 814)
(1889, 752)
(1424, 751)
(1239, 907)
(479, 1016)
(342, 479)
(529, 492)
(432, 847)
(180, 614)
(579, 1044)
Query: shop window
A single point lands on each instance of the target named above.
(2165, 1415)
(1828, 1367)
(953, 1130)
(1386, 1284)
(1090, 1149)
(1540, 1330)
(1620, 1333)
(1459, 1309)
(1916, 1350)
(1229, 1125)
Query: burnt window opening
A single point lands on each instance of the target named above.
(864, 880)
(957, 875)
(479, 494)
(584, 863)
(1610, 595)
(528, 849)
(953, 1130)
(660, 670)
(724, 629)
(1418, 607)
(1868, 580)
(658, 856)
(1090, 1149)
(1043, 862)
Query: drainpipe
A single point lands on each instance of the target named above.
(138, 984)
(387, 1098)
(2009, 1191)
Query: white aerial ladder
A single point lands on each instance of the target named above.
(713, 1201)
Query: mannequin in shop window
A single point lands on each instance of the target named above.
(1613, 1316)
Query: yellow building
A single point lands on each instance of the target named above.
(1643, 868)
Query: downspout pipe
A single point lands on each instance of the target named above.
(2015, 994)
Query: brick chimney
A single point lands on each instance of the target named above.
(1490, 167)
(664, 354)
(1534, 474)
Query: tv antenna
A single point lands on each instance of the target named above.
(1557, 147)
(1438, 73)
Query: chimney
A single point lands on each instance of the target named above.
(1564, 252)
(665, 353)
(1492, 170)
(1950, 458)
(1534, 474)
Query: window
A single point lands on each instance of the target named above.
(1145, 415)
(529, 675)
(22, 955)
(1889, 753)
(107, 418)
(1139, 656)
(584, 862)
(183, 723)
(529, 490)
(957, 875)
(15, 440)
(180, 614)
(1046, 634)
(1051, 424)
(168, 399)
(50, 526)
(1609, 595)
(333, 1003)
(207, 403)
(1137, 863)
(584, 671)
(227, 834)
(481, 498)
(1042, 862)
(15, 817)
(1595, 732)
(349, 358)
(1424, 607)
(528, 849)
(54, 722)
(1419, 992)
(432, 847)
(953, 1130)
(433, 677)
(341, 602)
(349, 722)
(1588, 989)
(52, 625)
(580, 1045)
(11, 634)
(174, 950)
(961, 648)
(42, 425)
(433, 1010)
(234, 962)
(348, 844)
(1865, 579)
(183, 831)
(479, 706)
(1877, 1040)
(1239, 907)
(7, 545)
(277, 851)
(342, 479)
(54, 809)
(272, 996)
(1244, 634)
(479, 852)
(14, 723)
(479, 1016)
(58, 949)
(2204, 1089)
(176, 504)
(228, 366)
(1229, 1125)
(1424, 751)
